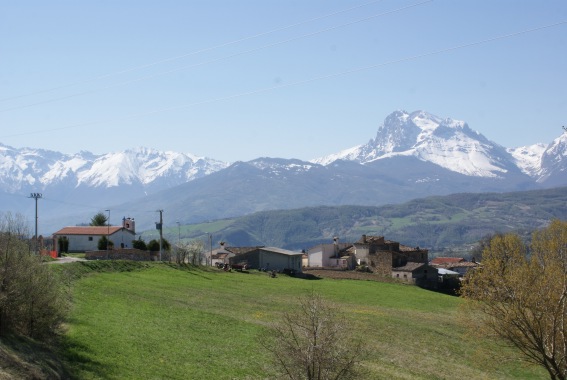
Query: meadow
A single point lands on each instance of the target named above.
(161, 321)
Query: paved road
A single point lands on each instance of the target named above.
(66, 259)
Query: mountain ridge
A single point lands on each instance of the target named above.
(412, 155)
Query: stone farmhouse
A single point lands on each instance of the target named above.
(85, 238)
(384, 257)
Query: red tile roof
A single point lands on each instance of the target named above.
(446, 260)
(88, 230)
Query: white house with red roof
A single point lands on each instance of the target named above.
(85, 238)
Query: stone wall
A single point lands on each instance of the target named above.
(381, 263)
(122, 254)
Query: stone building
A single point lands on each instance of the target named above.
(383, 255)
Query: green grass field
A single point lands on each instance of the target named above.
(156, 321)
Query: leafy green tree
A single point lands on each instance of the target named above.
(63, 243)
(140, 244)
(99, 219)
(32, 301)
(153, 245)
(104, 243)
(523, 299)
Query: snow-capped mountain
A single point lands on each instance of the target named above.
(528, 158)
(412, 155)
(553, 169)
(83, 183)
(453, 145)
(21, 169)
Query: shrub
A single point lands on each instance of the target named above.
(312, 342)
(32, 302)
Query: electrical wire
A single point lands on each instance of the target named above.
(170, 59)
(297, 83)
(185, 67)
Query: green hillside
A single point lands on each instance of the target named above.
(442, 223)
(158, 321)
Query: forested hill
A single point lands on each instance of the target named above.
(440, 223)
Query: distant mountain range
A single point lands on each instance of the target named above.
(413, 155)
(446, 225)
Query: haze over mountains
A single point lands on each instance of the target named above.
(412, 155)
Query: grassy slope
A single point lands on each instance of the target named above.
(23, 358)
(163, 322)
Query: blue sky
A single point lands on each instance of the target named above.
(236, 80)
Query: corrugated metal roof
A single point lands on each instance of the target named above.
(281, 251)
(447, 271)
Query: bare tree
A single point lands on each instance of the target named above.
(313, 342)
(522, 299)
(189, 252)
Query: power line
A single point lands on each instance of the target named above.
(297, 83)
(93, 207)
(170, 59)
(185, 67)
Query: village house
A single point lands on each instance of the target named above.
(85, 238)
(334, 255)
(383, 255)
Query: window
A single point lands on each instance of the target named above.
(90, 238)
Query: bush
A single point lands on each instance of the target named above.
(312, 342)
(32, 302)
(104, 244)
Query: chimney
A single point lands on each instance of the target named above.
(336, 245)
(364, 238)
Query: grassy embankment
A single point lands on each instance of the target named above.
(156, 321)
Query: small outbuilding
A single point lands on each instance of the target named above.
(270, 258)
(419, 274)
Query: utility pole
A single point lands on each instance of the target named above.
(159, 226)
(211, 249)
(35, 196)
(108, 230)
(178, 233)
